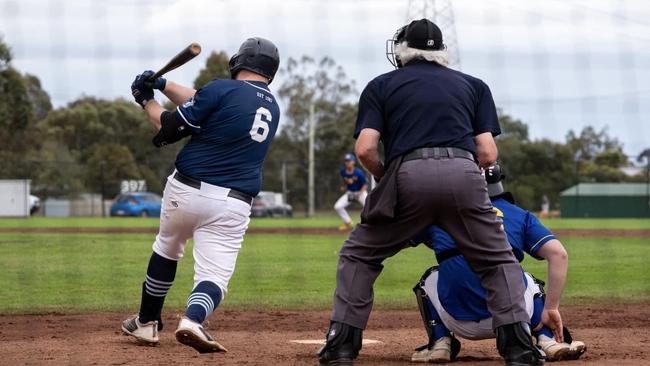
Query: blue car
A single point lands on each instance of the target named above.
(143, 204)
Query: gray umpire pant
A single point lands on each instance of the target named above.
(450, 193)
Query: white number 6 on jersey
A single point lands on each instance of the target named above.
(260, 129)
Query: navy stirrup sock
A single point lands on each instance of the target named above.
(205, 297)
(160, 277)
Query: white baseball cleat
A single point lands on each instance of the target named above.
(441, 352)
(554, 350)
(192, 334)
(146, 333)
(421, 354)
(576, 350)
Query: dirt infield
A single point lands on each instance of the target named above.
(295, 231)
(615, 335)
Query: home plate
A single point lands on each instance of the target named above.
(322, 341)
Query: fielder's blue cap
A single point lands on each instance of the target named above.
(349, 157)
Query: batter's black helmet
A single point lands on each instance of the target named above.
(422, 34)
(258, 55)
(494, 178)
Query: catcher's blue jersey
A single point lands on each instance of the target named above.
(459, 288)
(233, 123)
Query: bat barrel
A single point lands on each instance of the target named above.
(194, 48)
(185, 55)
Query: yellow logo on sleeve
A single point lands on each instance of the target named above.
(499, 214)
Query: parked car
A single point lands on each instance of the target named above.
(145, 204)
(270, 204)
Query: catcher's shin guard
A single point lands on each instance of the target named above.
(421, 296)
(432, 323)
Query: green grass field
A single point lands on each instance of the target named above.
(99, 272)
(320, 221)
(103, 222)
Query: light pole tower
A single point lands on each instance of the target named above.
(440, 12)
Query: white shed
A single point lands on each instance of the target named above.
(14, 197)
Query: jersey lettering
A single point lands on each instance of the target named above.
(260, 129)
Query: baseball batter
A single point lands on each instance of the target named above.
(452, 300)
(231, 124)
(355, 190)
(437, 128)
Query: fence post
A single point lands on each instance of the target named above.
(283, 174)
(101, 175)
(310, 183)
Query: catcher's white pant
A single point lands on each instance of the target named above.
(216, 222)
(470, 329)
(343, 202)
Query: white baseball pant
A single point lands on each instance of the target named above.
(470, 329)
(342, 203)
(216, 222)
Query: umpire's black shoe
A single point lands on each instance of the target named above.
(342, 346)
(515, 345)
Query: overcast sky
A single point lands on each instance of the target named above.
(557, 64)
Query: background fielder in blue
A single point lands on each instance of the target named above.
(461, 298)
(355, 188)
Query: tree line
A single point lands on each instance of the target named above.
(91, 144)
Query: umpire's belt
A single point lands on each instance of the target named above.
(197, 184)
(438, 153)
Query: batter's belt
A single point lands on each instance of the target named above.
(438, 153)
(194, 183)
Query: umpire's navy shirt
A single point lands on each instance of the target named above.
(424, 104)
(233, 123)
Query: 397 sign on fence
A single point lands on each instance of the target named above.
(133, 185)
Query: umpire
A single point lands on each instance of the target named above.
(435, 124)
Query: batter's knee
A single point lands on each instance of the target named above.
(173, 253)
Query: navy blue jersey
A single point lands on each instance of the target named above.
(459, 288)
(424, 104)
(233, 123)
(357, 178)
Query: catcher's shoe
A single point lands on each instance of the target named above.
(146, 333)
(346, 226)
(444, 350)
(577, 349)
(515, 345)
(554, 350)
(421, 354)
(192, 334)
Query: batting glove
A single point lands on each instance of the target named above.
(158, 83)
(141, 93)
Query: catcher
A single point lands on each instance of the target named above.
(453, 302)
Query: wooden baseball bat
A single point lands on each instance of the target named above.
(185, 55)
